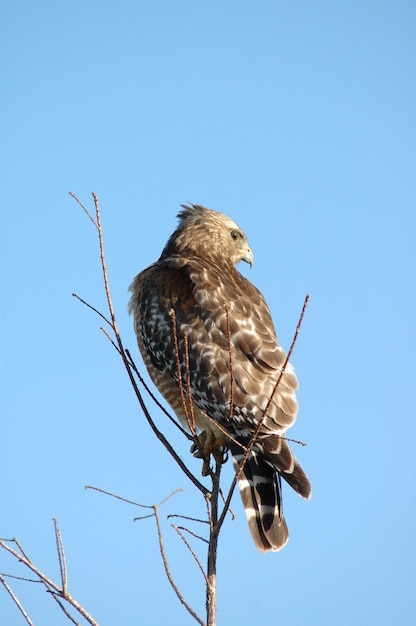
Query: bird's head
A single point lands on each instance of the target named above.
(205, 232)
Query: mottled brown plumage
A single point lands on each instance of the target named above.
(196, 277)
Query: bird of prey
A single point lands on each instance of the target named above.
(205, 334)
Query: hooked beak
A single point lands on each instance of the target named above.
(248, 256)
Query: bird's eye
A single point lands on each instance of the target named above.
(235, 235)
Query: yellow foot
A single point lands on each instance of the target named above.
(207, 445)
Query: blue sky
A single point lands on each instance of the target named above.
(298, 120)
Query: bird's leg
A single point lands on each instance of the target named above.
(208, 444)
(198, 450)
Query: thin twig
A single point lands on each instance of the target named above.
(256, 431)
(161, 436)
(23, 559)
(230, 360)
(16, 600)
(75, 295)
(23, 578)
(104, 270)
(187, 407)
(297, 441)
(138, 518)
(191, 550)
(230, 510)
(130, 361)
(110, 339)
(61, 558)
(289, 354)
(49, 584)
(188, 519)
(153, 397)
(191, 532)
(143, 506)
(191, 423)
(84, 209)
(170, 496)
(114, 495)
(19, 545)
(172, 314)
(168, 572)
(63, 608)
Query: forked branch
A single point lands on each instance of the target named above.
(155, 513)
(59, 592)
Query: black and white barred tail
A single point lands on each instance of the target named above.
(261, 492)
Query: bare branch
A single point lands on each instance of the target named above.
(23, 578)
(19, 545)
(191, 550)
(187, 407)
(16, 600)
(155, 513)
(75, 295)
(110, 339)
(63, 608)
(289, 354)
(84, 209)
(61, 558)
(114, 495)
(168, 572)
(28, 563)
(230, 359)
(191, 423)
(50, 585)
(189, 519)
(297, 441)
(153, 397)
(257, 430)
(190, 532)
(178, 367)
(170, 495)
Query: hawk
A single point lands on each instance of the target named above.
(206, 335)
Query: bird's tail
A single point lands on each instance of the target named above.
(261, 490)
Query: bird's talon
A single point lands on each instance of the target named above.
(206, 445)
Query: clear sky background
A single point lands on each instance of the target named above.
(298, 120)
